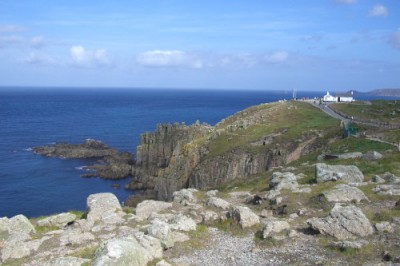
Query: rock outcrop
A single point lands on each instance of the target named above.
(344, 193)
(90, 148)
(104, 208)
(59, 220)
(346, 173)
(343, 222)
(245, 216)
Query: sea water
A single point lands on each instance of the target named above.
(34, 185)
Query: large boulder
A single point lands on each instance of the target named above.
(104, 208)
(346, 173)
(344, 193)
(15, 229)
(245, 216)
(59, 220)
(284, 180)
(18, 250)
(272, 227)
(218, 203)
(123, 252)
(147, 207)
(343, 222)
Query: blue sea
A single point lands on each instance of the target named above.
(33, 185)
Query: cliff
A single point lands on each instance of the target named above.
(247, 143)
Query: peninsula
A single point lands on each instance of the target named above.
(274, 184)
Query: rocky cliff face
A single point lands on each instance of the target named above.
(179, 156)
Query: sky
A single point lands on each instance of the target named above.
(335, 45)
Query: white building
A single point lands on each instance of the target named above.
(340, 97)
(329, 98)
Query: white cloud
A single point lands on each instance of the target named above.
(347, 2)
(38, 59)
(9, 28)
(277, 57)
(87, 58)
(378, 10)
(38, 42)
(169, 58)
(10, 40)
(394, 40)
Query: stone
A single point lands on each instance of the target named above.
(183, 223)
(212, 193)
(122, 252)
(346, 173)
(185, 196)
(344, 193)
(349, 244)
(209, 216)
(377, 179)
(66, 261)
(18, 250)
(104, 208)
(163, 263)
(350, 155)
(391, 178)
(74, 236)
(272, 194)
(147, 207)
(284, 180)
(16, 229)
(372, 156)
(387, 190)
(218, 203)
(272, 227)
(343, 222)
(245, 216)
(161, 230)
(59, 220)
(266, 213)
(384, 227)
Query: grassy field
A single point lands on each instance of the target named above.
(379, 110)
(286, 121)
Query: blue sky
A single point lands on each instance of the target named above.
(333, 45)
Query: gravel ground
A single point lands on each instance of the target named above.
(225, 249)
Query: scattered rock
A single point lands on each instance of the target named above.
(372, 156)
(349, 244)
(104, 208)
(185, 196)
(387, 190)
(272, 194)
(343, 222)
(123, 252)
(162, 231)
(73, 236)
(377, 179)
(284, 180)
(209, 216)
(147, 207)
(346, 173)
(218, 203)
(266, 213)
(183, 223)
(66, 261)
(245, 216)
(16, 229)
(272, 227)
(59, 220)
(344, 193)
(384, 227)
(212, 193)
(391, 178)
